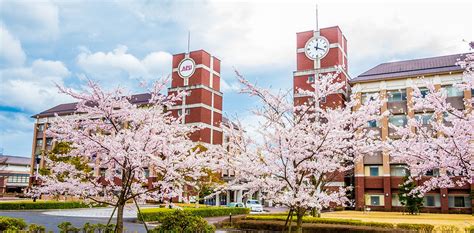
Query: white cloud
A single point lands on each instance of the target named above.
(262, 34)
(31, 21)
(123, 66)
(16, 131)
(32, 88)
(11, 52)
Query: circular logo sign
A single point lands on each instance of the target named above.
(186, 68)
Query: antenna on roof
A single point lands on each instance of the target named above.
(189, 39)
(317, 26)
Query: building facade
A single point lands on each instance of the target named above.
(377, 177)
(14, 174)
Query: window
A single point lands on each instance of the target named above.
(434, 172)
(49, 141)
(398, 120)
(453, 91)
(40, 127)
(310, 79)
(372, 170)
(424, 118)
(374, 200)
(460, 201)
(398, 170)
(20, 178)
(368, 96)
(396, 200)
(395, 96)
(323, 99)
(102, 171)
(424, 92)
(373, 124)
(147, 172)
(432, 200)
(39, 142)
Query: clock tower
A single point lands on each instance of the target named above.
(198, 74)
(317, 53)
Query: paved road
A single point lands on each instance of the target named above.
(52, 218)
(52, 221)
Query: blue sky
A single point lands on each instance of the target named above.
(123, 42)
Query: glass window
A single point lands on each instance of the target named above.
(49, 141)
(459, 201)
(374, 171)
(453, 91)
(396, 200)
(395, 96)
(424, 92)
(374, 200)
(147, 172)
(424, 118)
(372, 123)
(434, 172)
(398, 120)
(365, 96)
(311, 79)
(102, 171)
(432, 200)
(40, 127)
(398, 170)
(39, 142)
(20, 178)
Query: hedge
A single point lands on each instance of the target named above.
(158, 214)
(416, 227)
(352, 222)
(11, 223)
(277, 225)
(28, 205)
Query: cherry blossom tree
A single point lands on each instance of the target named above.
(299, 153)
(121, 142)
(443, 143)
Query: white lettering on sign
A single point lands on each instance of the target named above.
(186, 68)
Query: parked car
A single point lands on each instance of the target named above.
(235, 204)
(254, 205)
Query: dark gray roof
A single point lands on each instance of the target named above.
(10, 159)
(411, 68)
(69, 108)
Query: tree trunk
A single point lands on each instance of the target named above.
(299, 219)
(119, 224)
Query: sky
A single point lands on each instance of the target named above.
(121, 43)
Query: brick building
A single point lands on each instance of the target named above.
(14, 174)
(376, 178)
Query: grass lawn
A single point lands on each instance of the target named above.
(458, 220)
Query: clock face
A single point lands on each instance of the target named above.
(316, 47)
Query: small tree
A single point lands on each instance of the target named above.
(108, 146)
(411, 199)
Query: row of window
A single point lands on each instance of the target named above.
(402, 120)
(429, 200)
(18, 178)
(401, 95)
(395, 170)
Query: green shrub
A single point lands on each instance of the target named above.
(28, 205)
(469, 229)
(183, 221)
(158, 214)
(34, 228)
(416, 227)
(324, 221)
(67, 227)
(9, 223)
